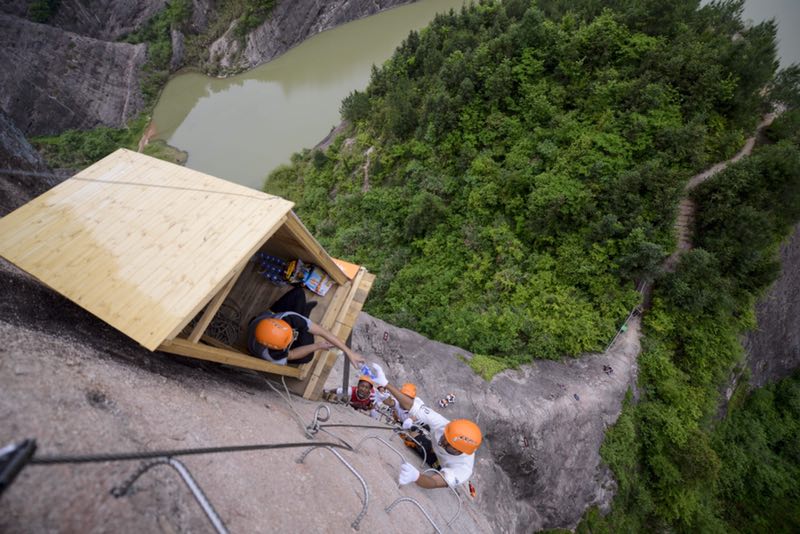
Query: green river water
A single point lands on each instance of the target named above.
(241, 128)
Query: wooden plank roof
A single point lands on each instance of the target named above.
(141, 243)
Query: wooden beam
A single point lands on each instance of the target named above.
(208, 340)
(328, 321)
(183, 347)
(323, 368)
(298, 229)
(216, 302)
(219, 287)
(335, 307)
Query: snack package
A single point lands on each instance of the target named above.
(319, 282)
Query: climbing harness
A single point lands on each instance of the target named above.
(408, 437)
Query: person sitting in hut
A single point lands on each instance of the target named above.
(285, 334)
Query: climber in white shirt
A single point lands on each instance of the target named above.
(452, 448)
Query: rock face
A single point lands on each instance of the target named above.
(18, 8)
(23, 173)
(290, 23)
(107, 20)
(540, 465)
(78, 386)
(55, 80)
(773, 349)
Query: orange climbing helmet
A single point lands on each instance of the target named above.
(275, 334)
(463, 435)
(409, 389)
(366, 378)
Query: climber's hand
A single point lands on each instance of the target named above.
(408, 474)
(380, 377)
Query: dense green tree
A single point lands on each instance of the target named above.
(525, 163)
(566, 140)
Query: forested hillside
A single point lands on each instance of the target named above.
(674, 466)
(526, 163)
(512, 174)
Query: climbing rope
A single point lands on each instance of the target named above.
(360, 426)
(224, 326)
(378, 438)
(288, 399)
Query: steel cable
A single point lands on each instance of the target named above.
(124, 456)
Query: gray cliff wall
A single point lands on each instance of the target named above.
(291, 22)
(54, 80)
(23, 173)
(105, 19)
(18, 8)
(108, 20)
(68, 74)
(773, 349)
(540, 465)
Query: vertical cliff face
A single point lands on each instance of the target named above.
(289, 24)
(107, 20)
(18, 8)
(54, 80)
(540, 465)
(23, 173)
(773, 349)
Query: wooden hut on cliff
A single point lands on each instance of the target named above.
(164, 254)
